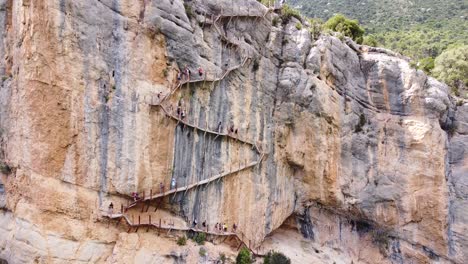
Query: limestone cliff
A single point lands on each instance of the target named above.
(348, 145)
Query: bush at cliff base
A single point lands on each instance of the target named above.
(244, 257)
(276, 258)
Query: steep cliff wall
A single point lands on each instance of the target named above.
(358, 146)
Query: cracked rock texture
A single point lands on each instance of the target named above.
(360, 148)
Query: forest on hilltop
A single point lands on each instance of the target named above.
(419, 29)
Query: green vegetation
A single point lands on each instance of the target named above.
(202, 252)
(256, 65)
(200, 238)
(360, 125)
(298, 26)
(275, 21)
(288, 12)
(316, 27)
(420, 29)
(276, 258)
(381, 238)
(182, 241)
(188, 10)
(5, 168)
(370, 41)
(426, 64)
(452, 68)
(222, 258)
(244, 257)
(347, 27)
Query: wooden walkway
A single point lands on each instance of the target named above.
(207, 130)
(238, 234)
(191, 186)
(215, 79)
(159, 225)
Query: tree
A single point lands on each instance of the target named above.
(426, 64)
(244, 257)
(347, 27)
(370, 41)
(276, 258)
(316, 25)
(451, 67)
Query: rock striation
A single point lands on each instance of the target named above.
(357, 147)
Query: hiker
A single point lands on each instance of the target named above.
(200, 71)
(216, 227)
(134, 196)
(195, 222)
(173, 183)
(159, 95)
(161, 187)
(231, 129)
(225, 227)
(182, 114)
(187, 72)
(179, 76)
(235, 131)
(234, 227)
(204, 224)
(179, 110)
(111, 209)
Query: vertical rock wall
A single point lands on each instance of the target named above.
(352, 130)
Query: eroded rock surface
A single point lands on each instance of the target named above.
(360, 148)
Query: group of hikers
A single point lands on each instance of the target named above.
(185, 74)
(221, 227)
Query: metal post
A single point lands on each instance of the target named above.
(149, 216)
(139, 220)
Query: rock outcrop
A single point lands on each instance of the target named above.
(357, 147)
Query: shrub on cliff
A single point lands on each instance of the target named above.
(316, 27)
(451, 67)
(222, 258)
(5, 168)
(348, 27)
(182, 241)
(288, 12)
(244, 257)
(188, 10)
(276, 258)
(360, 125)
(200, 238)
(370, 41)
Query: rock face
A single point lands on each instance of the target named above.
(360, 149)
